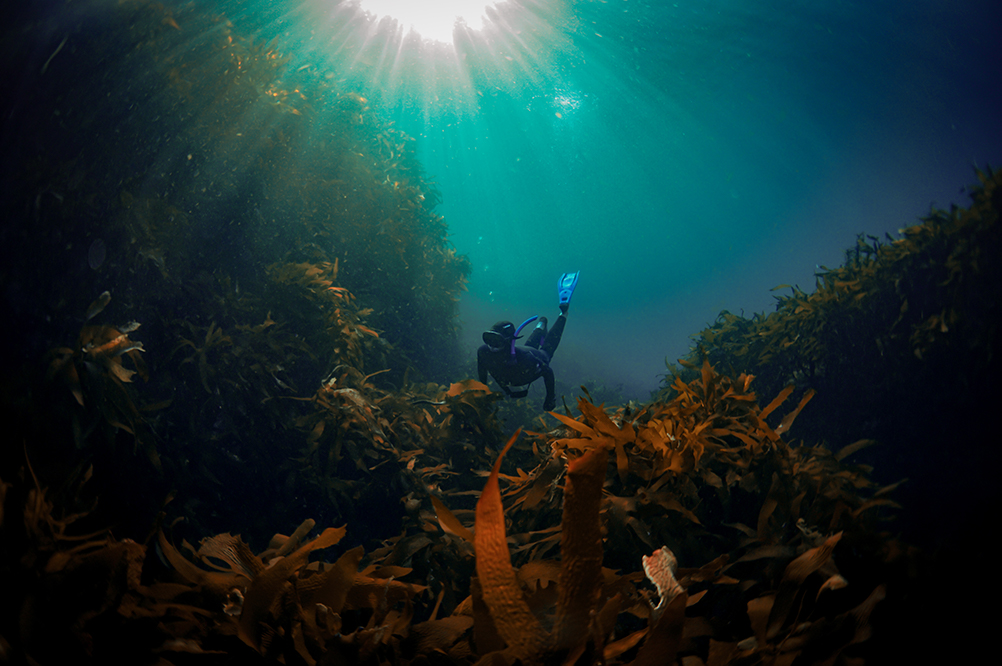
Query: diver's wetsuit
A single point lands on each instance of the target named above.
(528, 363)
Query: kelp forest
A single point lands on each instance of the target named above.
(240, 429)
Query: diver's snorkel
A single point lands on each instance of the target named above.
(518, 330)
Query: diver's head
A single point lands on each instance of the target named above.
(500, 336)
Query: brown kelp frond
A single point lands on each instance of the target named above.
(512, 618)
(579, 588)
(94, 372)
(520, 617)
(339, 264)
(272, 585)
(56, 577)
(51, 540)
(710, 415)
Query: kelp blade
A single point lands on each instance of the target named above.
(515, 623)
(579, 586)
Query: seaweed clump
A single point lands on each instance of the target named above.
(903, 324)
(705, 480)
(760, 551)
(901, 346)
(269, 229)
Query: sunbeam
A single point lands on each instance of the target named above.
(441, 55)
(432, 19)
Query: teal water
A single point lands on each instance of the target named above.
(685, 156)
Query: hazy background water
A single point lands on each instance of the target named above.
(714, 150)
(689, 156)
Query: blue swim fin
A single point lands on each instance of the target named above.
(565, 287)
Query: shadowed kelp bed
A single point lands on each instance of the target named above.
(901, 342)
(225, 384)
(781, 549)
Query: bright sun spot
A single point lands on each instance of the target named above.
(432, 19)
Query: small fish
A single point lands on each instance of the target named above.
(98, 305)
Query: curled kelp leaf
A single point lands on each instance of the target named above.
(449, 522)
(330, 589)
(660, 569)
(281, 545)
(99, 304)
(234, 552)
(794, 576)
(266, 587)
(664, 636)
(215, 584)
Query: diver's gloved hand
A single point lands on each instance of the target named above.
(550, 405)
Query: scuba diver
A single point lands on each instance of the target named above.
(520, 366)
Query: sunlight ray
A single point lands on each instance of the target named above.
(432, 19)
